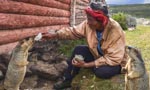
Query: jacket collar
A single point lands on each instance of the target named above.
(106, 30)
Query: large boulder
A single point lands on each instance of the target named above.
(48, 71)
(1, 75)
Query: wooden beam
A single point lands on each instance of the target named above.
(65, 1)
(14, 21)
(48, 3)
(9, 36)
(30, 9)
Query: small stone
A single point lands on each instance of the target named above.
(28, 71)
(29, 82)
(84, 77)
(1, 75)
(61, 67)
(46, 57)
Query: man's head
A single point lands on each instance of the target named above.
(97, 15)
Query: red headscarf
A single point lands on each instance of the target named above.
(98, 15)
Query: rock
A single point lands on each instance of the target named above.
(5, 58)
(1, 75)
(29, 82)
(46, 57)
(29, 72)
(1, 84)
(3, 68)
(44, 84)
(45, 46)
(61, 67)
(32, 57)
(58, 58)
(45, 70)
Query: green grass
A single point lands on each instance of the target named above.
(139, 38)
(69, 45)
(91, 82)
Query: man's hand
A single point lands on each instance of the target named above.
(49, 35)
(81, 63)
(78, 63)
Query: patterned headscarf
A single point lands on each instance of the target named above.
(99, 12)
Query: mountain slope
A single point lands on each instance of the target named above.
(137, 10)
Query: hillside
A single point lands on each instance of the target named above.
(138, 10)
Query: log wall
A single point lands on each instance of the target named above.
(78, 13)
(24, 18)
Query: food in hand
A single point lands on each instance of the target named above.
(79, 57)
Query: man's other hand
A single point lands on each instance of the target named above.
(78, 63)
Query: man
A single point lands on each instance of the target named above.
(105, 53)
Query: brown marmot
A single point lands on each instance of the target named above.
(136, 77)
(17, 65)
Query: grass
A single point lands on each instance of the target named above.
(138, 38)
(91, 82)
(69, 45)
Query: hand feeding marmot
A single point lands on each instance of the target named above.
(136, 77)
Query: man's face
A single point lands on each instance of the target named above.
(93, 23)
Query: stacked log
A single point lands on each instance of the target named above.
(48, 3)
(8, 36)
(31, 9)
(77, 11)
(80, 13)
(65, 1)
(7, 47)
(24, 18)
(11, 21)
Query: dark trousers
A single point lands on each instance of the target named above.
(104, 72)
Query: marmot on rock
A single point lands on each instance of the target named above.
(136, 77)
(17, 65)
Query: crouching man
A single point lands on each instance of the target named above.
(105, 49)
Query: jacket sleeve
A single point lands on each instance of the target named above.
(115, 51)
(75, 32)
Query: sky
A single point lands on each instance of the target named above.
(127, 1)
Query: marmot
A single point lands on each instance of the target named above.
(136, 77)
(17, 65)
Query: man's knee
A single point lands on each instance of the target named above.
(106, 72)
(102, 74)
